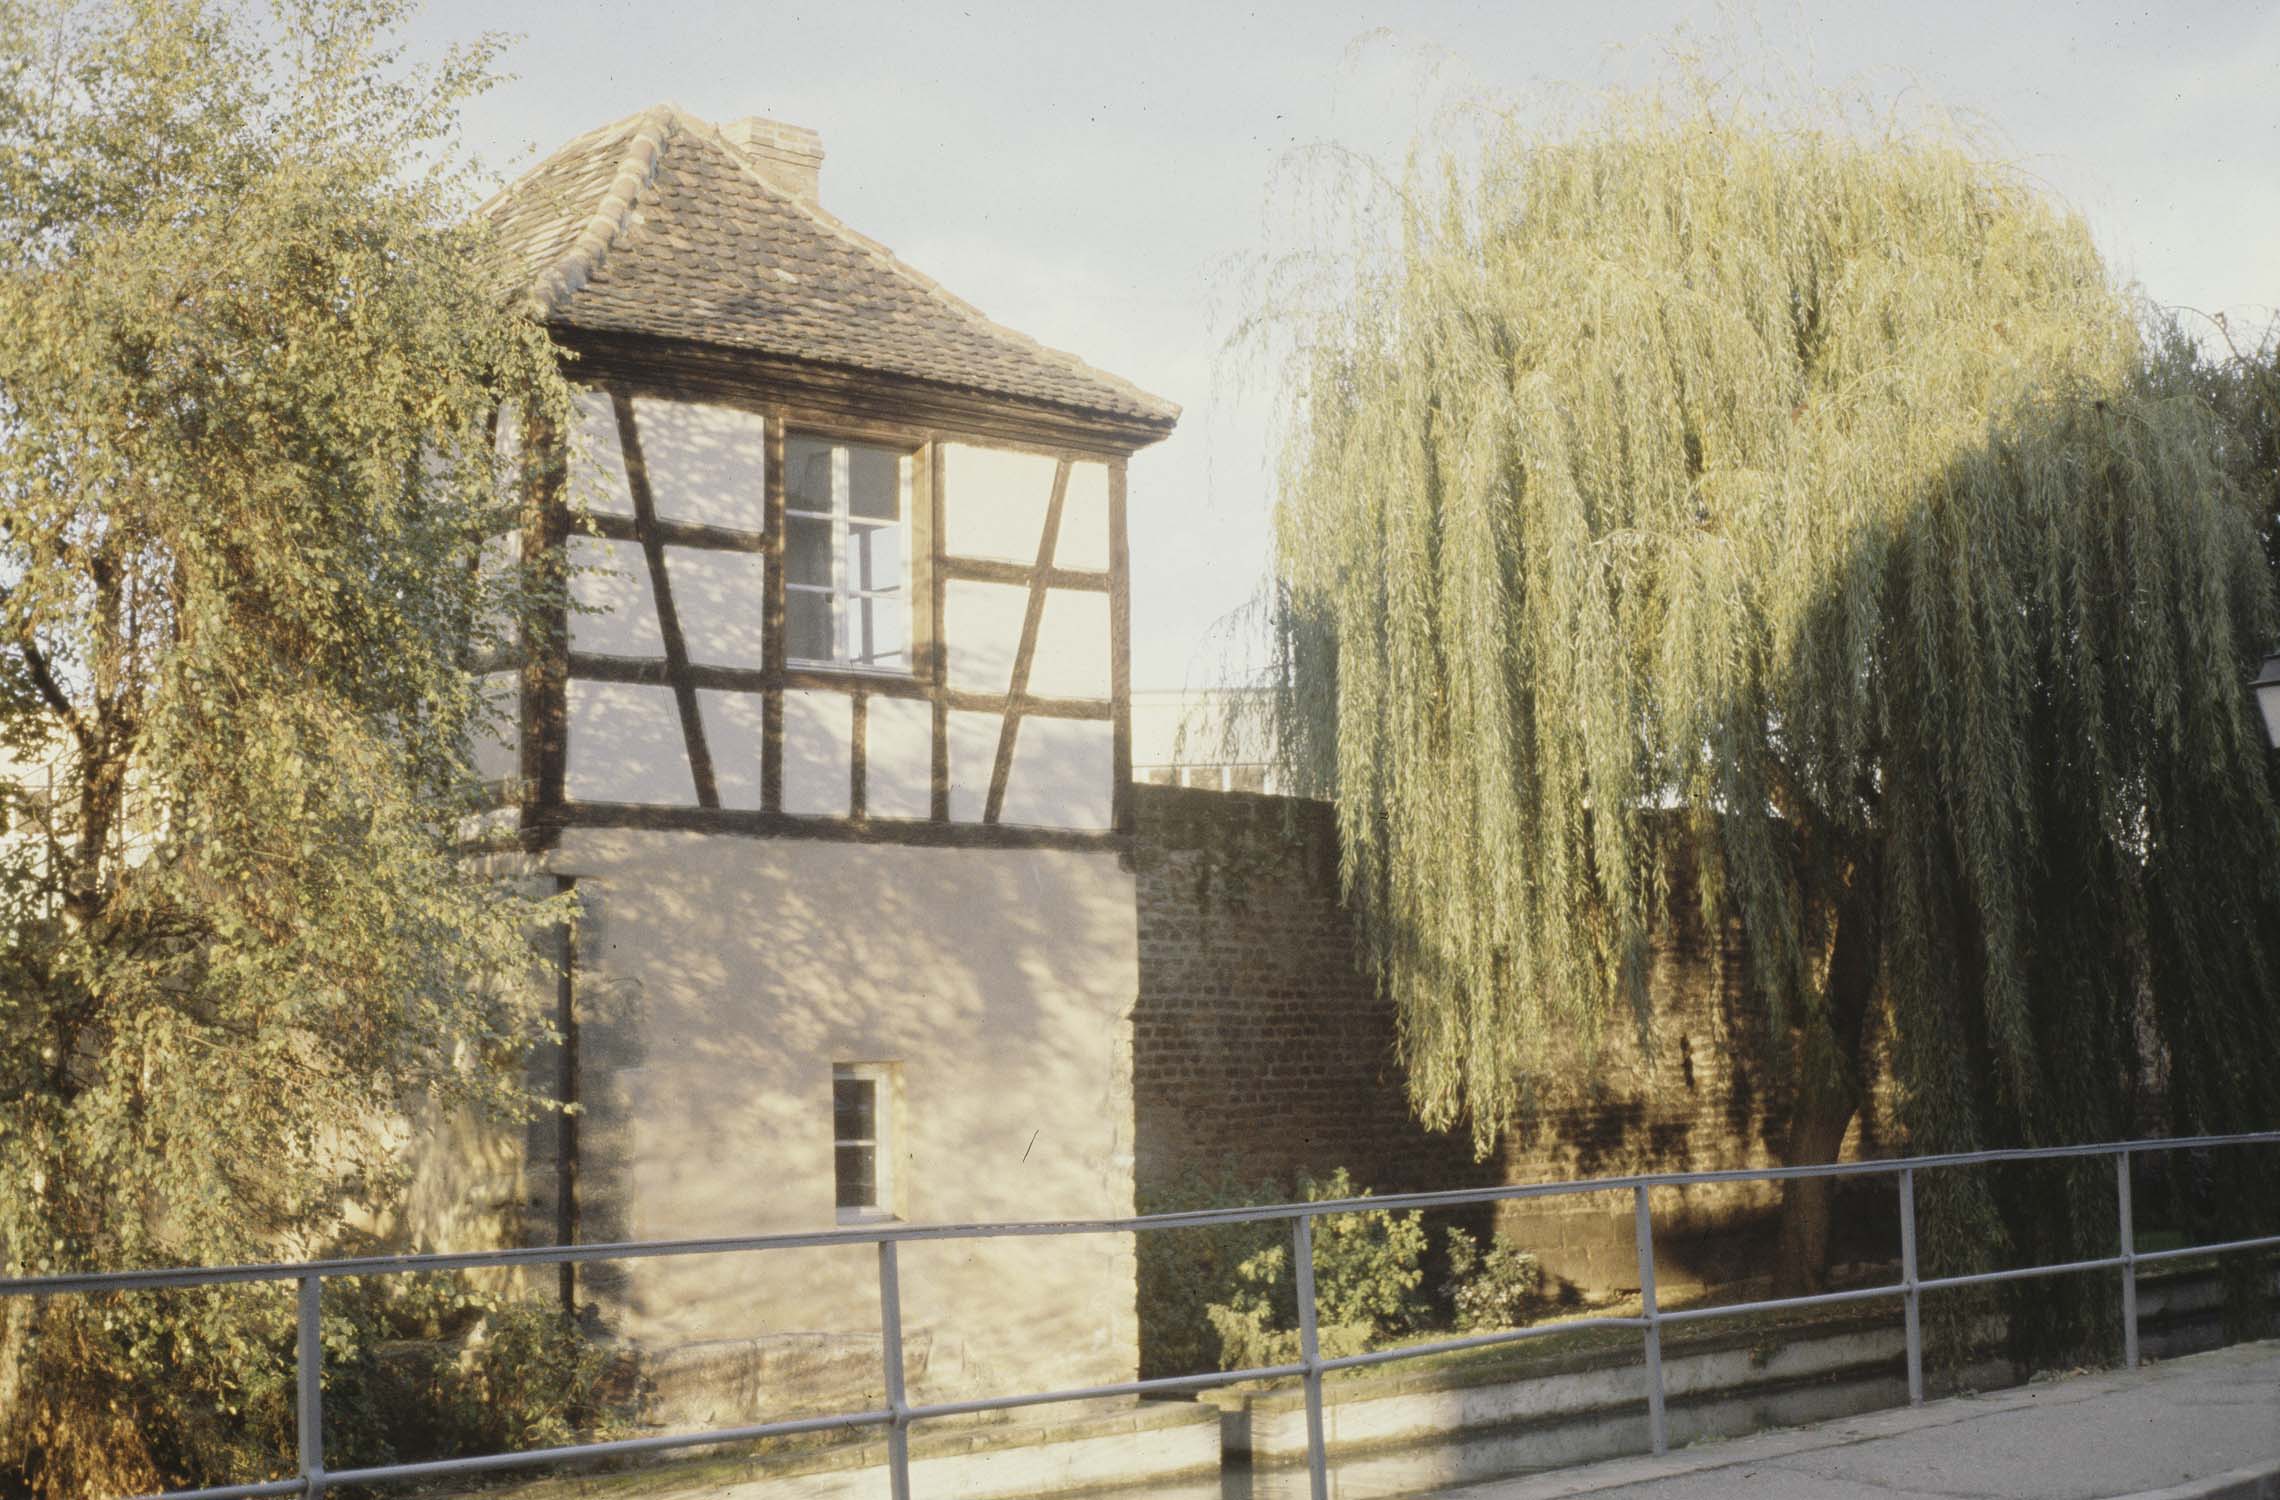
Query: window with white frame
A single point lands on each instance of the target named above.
(862, 1144)
(846, 554)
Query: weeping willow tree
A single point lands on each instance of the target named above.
(1788, 499)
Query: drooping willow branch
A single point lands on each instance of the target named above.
(1793, 501)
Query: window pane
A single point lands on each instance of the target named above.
(854, 1109)
(807, 551)
(807, 626)
(858, 1173)
(874, 483)
(878, 631)
(874, 557)
(807, 474)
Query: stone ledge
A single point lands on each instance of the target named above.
(2170, 1294)
(1093, 1445)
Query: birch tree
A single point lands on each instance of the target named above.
(249, 364)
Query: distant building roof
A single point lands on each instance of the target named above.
(664, 225)
(1207, 737)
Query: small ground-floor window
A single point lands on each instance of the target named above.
(862, 1120)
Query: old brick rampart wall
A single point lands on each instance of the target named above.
(1261, 1047)
(1258, 1042)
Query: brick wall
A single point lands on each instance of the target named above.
(1257, 1041)
(1259, 1044)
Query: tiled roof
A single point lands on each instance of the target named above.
(657, 225)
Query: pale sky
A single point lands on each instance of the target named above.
(1102, 177)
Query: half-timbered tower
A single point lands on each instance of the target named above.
(835, 746)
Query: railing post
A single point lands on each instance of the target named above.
(309, 1398)
(1911, 1299)
(1310, 1355)
(2129, 1259)
(891, 1359)
(1643, 1231)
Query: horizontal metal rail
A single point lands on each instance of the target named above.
(550, 1255)
(897, 1416)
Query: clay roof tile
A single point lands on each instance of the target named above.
(658, 225)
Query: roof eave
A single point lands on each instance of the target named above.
(855, 391)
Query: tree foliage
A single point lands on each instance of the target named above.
(251, 361)
(1787, 492)
(2235, 371)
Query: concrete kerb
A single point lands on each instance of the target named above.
(2256, 1482)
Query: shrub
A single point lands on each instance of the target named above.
(1368, 1266)
(422, 1367)
(415, 1367)
(1492, 1291)
(1183, 1271)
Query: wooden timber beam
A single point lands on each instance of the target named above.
(651, 671)
(543, 689)
(1026, 654)
(668, 618)
(985, 570)
(772, 625)
(619, 528)
(936, 666)
(1119, 656)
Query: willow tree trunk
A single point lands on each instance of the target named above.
(1819, 1117)
(1828, 1090)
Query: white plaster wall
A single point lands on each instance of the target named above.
(898, 758)
(993, 502)
(736, 971)
(981, 632)
(1072, 646)
(819, 739)
(981, 625)
(469, 1179)
(498, 740)
(732, 735)
(495, 562)
(1083, 542)
(1062, 774)
(597, 459)
(616, 613)
(712, 461)
(506, 431)
(973, 756)
(626, 745)
(706, 464)
(720, 599)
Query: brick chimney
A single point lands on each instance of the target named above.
(789, 157)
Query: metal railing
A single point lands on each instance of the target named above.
(897, 1415)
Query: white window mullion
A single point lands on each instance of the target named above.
(840, 485)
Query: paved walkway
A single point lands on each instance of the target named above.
(2206, 1426)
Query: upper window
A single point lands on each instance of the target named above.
(846, 555)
